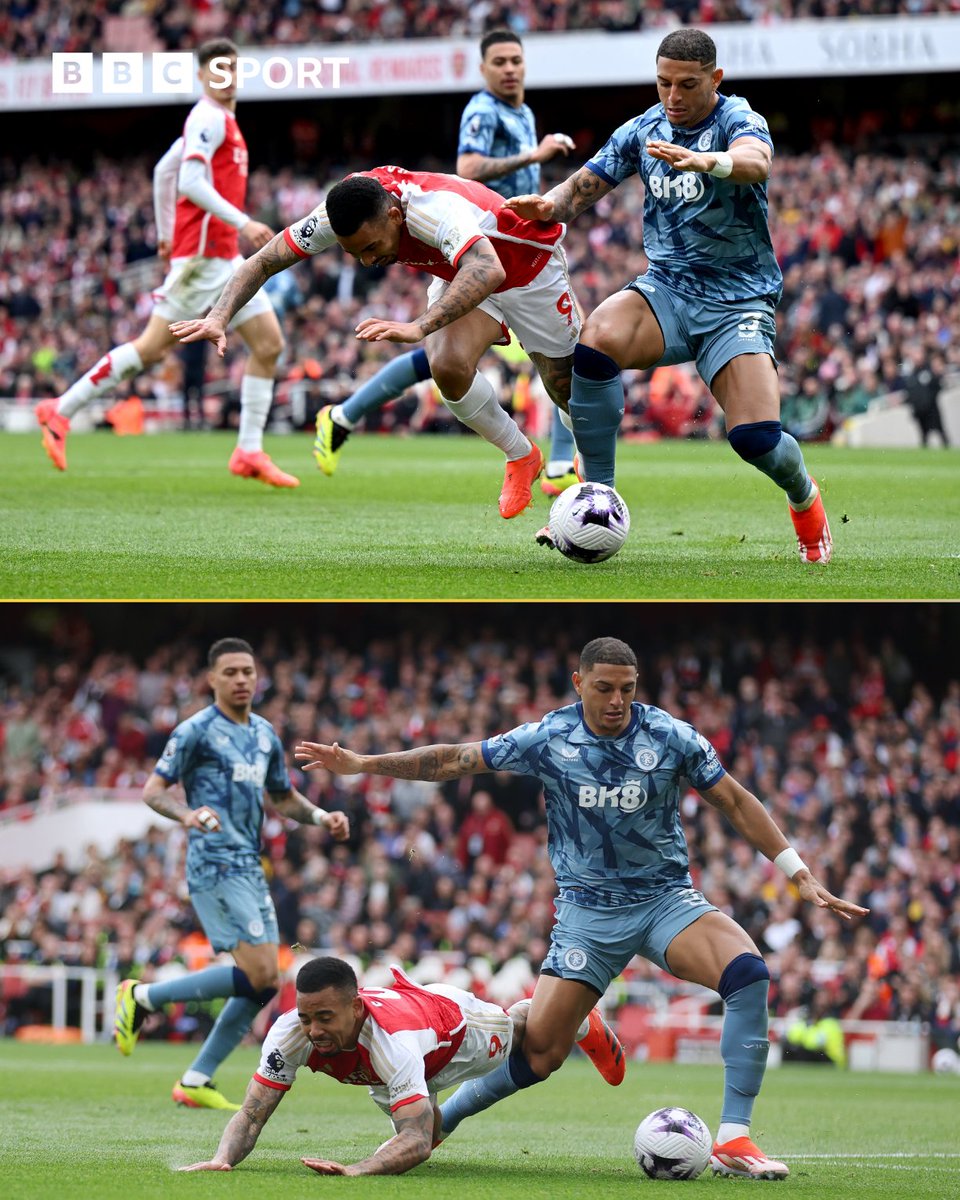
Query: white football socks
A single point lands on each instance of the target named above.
(118, 364)
(256, 396)
(480, 411)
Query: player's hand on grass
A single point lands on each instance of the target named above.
(814, 892)
(202, 818)
(323, 1166)
(256, 234)
(213, 1165)
(531, 208)
(315, 755)
(680, 157)
(375, 330)
(205, 329)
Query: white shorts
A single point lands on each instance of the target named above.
(486, 1044)
(543, 313)
(193, 286)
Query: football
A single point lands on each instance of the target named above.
(672, 1143)
(589, 522)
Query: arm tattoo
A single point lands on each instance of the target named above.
(483, 168)
(479, 274)
(294, 805)
(249, 278)
(240, 1135)
(436, 763)
(157, 797)
(576, 194)
(409, 1148)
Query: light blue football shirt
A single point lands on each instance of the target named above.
(226, 766)
(496, 129)
(613, 804)
(704, 236)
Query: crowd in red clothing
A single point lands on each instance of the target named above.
(850, 739)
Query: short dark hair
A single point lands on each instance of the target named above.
(227, 646)
(606, 650)
(320, 973)
(689, 45)
(216, 48)
(354, 201)
(498, 35)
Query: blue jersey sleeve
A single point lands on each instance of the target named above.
(701, 763)
(478, 127)
(175, 759)
(517, 750)
(617, 159)
(738, 120)
(278, 777)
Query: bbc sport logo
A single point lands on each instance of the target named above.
(174, 73)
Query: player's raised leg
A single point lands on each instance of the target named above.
(335, 422)
(715, 952)
(118, 364)
(453, 353)
(746, 389)
(264, 340)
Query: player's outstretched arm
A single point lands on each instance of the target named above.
(479, 274)
(750, 819)
(564, 202)
(241, 287)
(409, 1148)
(156, 794)
(243, 1129)
(435, 763)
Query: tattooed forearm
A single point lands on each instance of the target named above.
(294, 805)
(157, 796)
(409, 1148)
(479, 275)
(240, 1135)
(576, 194)
(249, 278)
(436, 763)
(480, 168)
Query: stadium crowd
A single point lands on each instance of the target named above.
(868, 245)
(33, 29)
(853, 750)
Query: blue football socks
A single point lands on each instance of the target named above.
(596, 407)
(235, 1019)
(477, 1094)
(562, 447)
(765, 445)
(743, 1040)
(388, 383)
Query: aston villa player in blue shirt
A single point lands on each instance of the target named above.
(613, 773)
(713, 282)
(225, 757)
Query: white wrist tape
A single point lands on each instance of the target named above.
(790, 862)
(723, 166)
(320, 816)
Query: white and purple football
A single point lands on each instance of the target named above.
(589, 522)
(672, 1143)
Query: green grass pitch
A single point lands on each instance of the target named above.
(83, 1122)
(416, 518)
